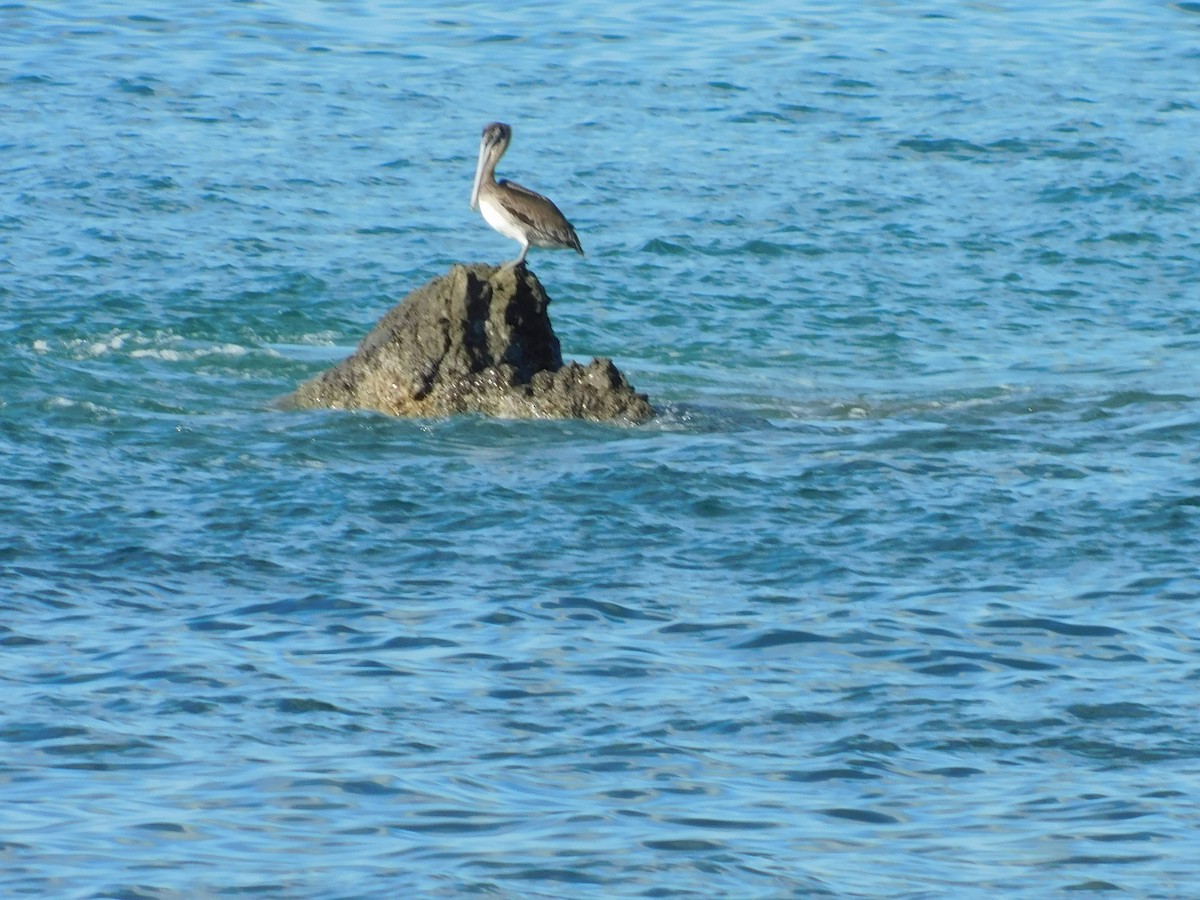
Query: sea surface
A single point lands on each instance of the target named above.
(898, 596)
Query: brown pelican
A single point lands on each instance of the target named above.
(514, 211)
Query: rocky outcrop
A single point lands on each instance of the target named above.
(476, 340)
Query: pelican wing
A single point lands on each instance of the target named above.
(544, 222)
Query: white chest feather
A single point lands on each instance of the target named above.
(500, 219)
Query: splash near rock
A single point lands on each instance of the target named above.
(476, 340)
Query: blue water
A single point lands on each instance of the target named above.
(897, 597)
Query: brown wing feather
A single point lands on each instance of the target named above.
(548, 227)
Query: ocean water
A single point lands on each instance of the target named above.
(897, 597)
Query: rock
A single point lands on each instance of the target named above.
(476, 340)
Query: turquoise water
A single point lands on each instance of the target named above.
(896, 598)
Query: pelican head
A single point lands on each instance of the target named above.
(491, 147)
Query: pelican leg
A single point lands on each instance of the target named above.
(520, 260)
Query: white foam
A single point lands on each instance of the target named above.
(159, 353)
(85, 405)
(171, 354)
(93, 348)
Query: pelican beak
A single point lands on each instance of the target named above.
(479, 169)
